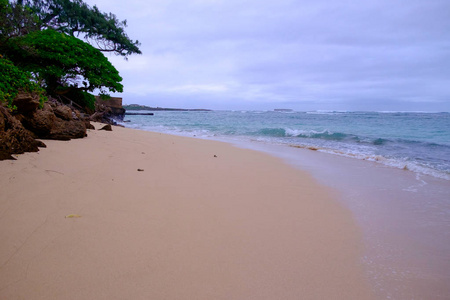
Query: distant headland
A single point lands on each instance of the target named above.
(144, 107)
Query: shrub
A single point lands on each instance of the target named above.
(13, 80)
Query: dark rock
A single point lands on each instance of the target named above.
(40, 121)
(26, 102)
(76, 115)
(14, 138)
(55, 121)
(118, 113)
(40, 144)
(89, 125)
(103, 114)
(66, 130)
(106, 127)
(63, 112)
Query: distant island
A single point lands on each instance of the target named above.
(283, 109)
(144, 107)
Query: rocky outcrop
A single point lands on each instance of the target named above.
(103, 114)
(26, 102)
(14, 138)
(40, 121)
(19, 129)
(63, 112)
(55, 121)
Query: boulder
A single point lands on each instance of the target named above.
(63, 112)
(55, 121)
(118, 113)
(26, 102)
(14, 138)
(106, 127)
(103, 114)
(40, 121)
(66, 130)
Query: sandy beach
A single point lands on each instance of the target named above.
(131, 214)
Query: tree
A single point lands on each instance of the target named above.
(63, 63)
(76, 18)
(39, 37)
(16, 20)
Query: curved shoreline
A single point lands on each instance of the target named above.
(203, 220)
(402, 216)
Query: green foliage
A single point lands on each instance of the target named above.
(64, 62)
(76, 18)
(84, 99)
(105, 97)
(13, 80)
(38, 39)
(15, 20)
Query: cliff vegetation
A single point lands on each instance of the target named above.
(51, 53)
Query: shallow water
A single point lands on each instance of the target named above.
(403, 213)
(404, 218)
(417, 141)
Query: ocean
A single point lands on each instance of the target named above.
(390, 169)
(419, 142)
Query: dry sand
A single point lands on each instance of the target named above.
(241, 225)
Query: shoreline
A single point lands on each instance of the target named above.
(384, 149)
(203, 220)
(402, 216)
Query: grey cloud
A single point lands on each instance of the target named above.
(302, 53)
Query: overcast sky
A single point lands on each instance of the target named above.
(299, 54)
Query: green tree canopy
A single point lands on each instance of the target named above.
(63, 62)
(76, 18)
(40, 38)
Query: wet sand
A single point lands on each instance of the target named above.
(403, 216)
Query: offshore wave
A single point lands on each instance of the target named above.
(414, 142)
(341, 136)
(320, 135)
(287, 132)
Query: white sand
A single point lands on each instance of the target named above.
(242, 225)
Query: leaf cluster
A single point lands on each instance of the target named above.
(83, 99)
(16, 20)
(13, 80)
(76, 18)
(65, 62)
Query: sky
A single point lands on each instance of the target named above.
(379, 55)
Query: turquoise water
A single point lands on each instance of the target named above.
(419, 142)
(403, 216)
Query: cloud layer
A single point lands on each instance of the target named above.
(304, 54)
